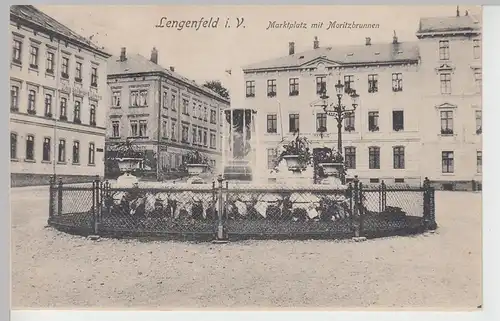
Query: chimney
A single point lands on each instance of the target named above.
(394, 38)
(123, 54)
(316, 43)
(458, 12)
(154, 55)
(291, 48)
(172, 68)
(368, 41)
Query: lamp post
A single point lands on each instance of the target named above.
(339, 110)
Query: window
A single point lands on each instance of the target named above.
(116, 128)
(447, 122)
(65, 68)
(48, 105)
(93, 77)
(250, 88)
(476, 48)
(479, 161)
(63, 108)
(479, 122)
(173, 133)
(374, 157)
(117, 95)
(194, 136)
(134, 130)
(478, 79)
(13, 145)
(143, 128)
(272, 123)
(16, 51)
(185, 134)
(165, 99)
(447, 162)
(350, 157)
(373, 121)
(397, 82)
(399, 157)
(78, 76)
(46, 149)
(213, 142)
(139, 98)
(445, 80)
(164, 131)
(205, 139)
(444, 50)
(271, 88)
(14, 98)
(76, 113)
(205, 113)
(185, 104)
(200, 136)
(348, 83)
(92, 118)
(398, 121)
(372, 83)
(61, 157)
(320, 85)
(172, 102)
(34, 57)
(30, 147)
(213, 117)
(91, 154)
(76, 152)
(293, 123)
(349, 120)
(321, 122)
(50, 62)
(31, 102)
(272, 154)
(293, 86)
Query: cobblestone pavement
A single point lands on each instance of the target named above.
(54, 270)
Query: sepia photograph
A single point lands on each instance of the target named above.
(175, 157)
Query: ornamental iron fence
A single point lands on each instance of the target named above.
(223, 212)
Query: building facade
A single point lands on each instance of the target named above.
(162, 113)
(394, 134)
(58, 100)
(451, 73)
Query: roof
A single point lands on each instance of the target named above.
(447, 24)
(353, 54)
(32, 15)
(137, 63)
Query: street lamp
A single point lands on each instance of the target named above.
(338, 110)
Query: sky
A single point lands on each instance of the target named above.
(205, 54)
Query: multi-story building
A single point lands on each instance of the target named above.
(451, 113)
(163, 113)
(404, 87)
(58, 100)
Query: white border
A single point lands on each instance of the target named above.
(491, 45)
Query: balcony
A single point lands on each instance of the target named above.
(32, 111)
(373, 128)
(294, 93)
(64, 75)
(33, 66)
(78, 80)
(250, 95)
(271, 94)
(77, 121)
(48, 115)
(63, 118)
(49, 71)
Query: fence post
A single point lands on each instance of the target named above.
(384, 196)
(96, 204)
(429, 206)
(59, 197)
(221, 234)
(52, 183)
(355, 212)
(360, 210)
